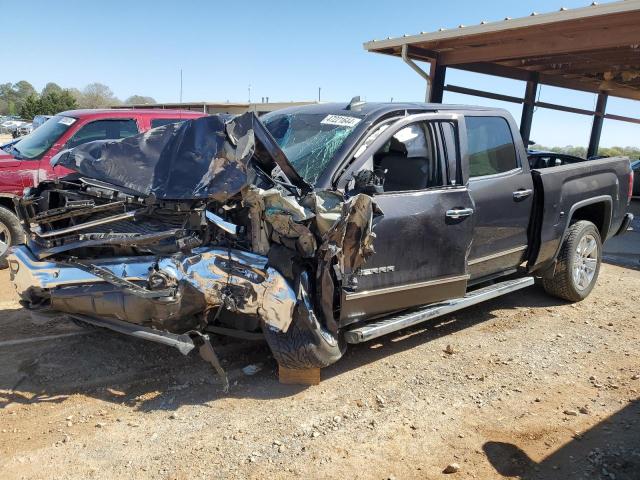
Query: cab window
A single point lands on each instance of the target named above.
(490, 146)
(103, 130)
(412, 159)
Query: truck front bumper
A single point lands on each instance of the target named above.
(168, 293)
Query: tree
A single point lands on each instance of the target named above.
(139, 100)
(13, 96)
(24, 89)
(30, 107)
(97, 95)
(76, 94)
(56, 102)
(48, 104)
(51, 87)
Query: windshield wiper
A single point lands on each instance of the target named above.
(17, 154)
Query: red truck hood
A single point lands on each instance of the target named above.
(4, 155)
(7, 160)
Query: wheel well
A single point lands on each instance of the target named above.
(597, 213)
(7, 202)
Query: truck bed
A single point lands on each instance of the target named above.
(565, 193)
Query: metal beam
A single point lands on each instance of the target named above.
(563, 108)
(527, 109)
(483, 94)
(596, 128)
(418, 70)
(438, 74)
(620, 118)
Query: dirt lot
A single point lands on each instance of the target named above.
(4, 138)
(534, 388)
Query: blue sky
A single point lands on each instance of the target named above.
(284, 49)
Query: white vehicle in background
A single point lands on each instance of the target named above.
(22, 130)
(10, 126)
(39, 120)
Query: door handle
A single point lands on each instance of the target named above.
(522, 193)
(456, 213)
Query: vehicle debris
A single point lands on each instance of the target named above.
(189, 225)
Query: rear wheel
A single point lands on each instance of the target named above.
(10, 233)
(578, 263)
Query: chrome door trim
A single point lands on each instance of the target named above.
(399, 288)
(497, 255)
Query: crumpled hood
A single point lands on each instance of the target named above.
(204, 158)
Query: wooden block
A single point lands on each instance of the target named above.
(308, 376)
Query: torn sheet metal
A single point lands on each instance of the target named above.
(279, 218)
(178, 289)
(206, 157)
(237, 281)
(345, 248)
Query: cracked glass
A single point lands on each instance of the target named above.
(309, 140)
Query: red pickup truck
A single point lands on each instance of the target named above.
(26, 162)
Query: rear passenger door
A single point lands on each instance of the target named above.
(424, 234)
(502, 190)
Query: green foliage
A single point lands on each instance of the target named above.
(49, 104)
(631, 152)
(51, 87)
(139, 100)
(97, 95)
(13, 96)
(30, 107)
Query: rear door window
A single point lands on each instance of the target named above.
(104, 130)
(490, 146)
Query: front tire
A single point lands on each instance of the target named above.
(578, 263)
(306, 343)
(11, 233)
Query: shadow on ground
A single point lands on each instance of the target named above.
(609, 450)
(148, 376)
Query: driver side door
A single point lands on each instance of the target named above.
(425, 232)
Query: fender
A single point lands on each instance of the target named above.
(606, 225)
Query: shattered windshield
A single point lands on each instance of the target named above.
(309, 140)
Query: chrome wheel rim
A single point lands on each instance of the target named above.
(5, 239)
(586, 262)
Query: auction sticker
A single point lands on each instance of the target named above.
(340, 120)
(67, 121)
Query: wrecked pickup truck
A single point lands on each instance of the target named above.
(315, 226)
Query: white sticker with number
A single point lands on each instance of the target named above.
(67, 121)
(340, 121)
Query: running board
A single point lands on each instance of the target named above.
(394, 323)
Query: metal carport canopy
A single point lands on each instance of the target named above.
(593, 49)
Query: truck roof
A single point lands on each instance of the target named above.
(376, 109)
(120, 112)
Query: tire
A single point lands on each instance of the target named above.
(578, 263)
(306, 343)
(11, 233)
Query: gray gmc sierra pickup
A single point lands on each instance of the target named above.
(314, 226)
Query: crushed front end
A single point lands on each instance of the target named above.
(186, 228)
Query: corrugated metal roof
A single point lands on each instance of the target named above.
(535, 19)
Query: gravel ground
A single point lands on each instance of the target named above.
(524, 386)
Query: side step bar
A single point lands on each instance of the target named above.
(394, 323)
